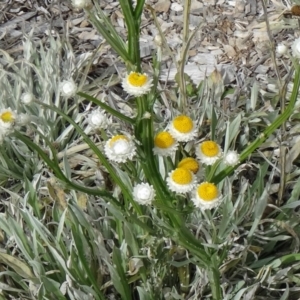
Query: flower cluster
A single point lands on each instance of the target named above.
(182, 129)
(183, 179)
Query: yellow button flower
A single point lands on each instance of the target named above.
(206, 196)
(181, 180)
(164, 144)
(208, 152)
(7, 117)
(7, 120)
(183, 128)
(137, 84)
(189, 163)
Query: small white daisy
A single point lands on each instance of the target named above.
(68, 88)
(27, 98)
(189, 163)
(181, 180)
(164, 144)
(206, 196)
(158, 40)
(231, 158)
(208, 152)
(137, 84)
(7, 120)
(143, 193)
(80, 4)
(296, 48)
(120, 148)
(281, 49)
(97, 120)
(147, 115)
(183, 129)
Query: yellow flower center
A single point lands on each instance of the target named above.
(183, 124)
(210, 148)
(207, 191)
(137, 79)
(117, 138)
(190, 164)
(182, 176)
(164, 140)
(7, 117)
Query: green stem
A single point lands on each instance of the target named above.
(138, 9)
(214, 280)
(212, 170)
(267, 132)
(180, 233)
(132, 22)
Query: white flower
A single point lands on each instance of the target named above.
(206, 196)
(120, 148)
(281, 49)
(137, 84)
(27, 98)
(183, 129)
(181, 180)
(158, 40)
(81, 3)
(296, 48)
(97, 120)
(143, 193)
(7, 120)
(231, 158)
(68, 88)
(147, 115)
(208, 152)
(164, 144)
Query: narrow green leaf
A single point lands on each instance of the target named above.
(118, 275)
(130, 239)
(19, 266)
(232, 130)
(52, 287)
(214, 121)
(21, 239)
(143, 295)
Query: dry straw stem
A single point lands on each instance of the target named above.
(184, 54)
(161, 34)
(282, 93)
